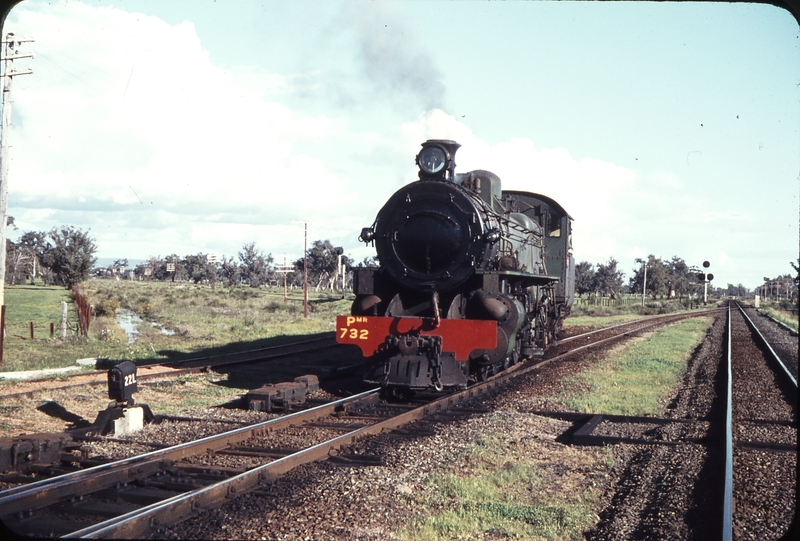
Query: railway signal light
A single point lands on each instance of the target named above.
(705, 278)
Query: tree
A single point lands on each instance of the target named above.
(737, 291)
(608, 278)
(322, 263)
(781, 287)
(15, 262)
(70, 256)
(119, 266)
(139, 270)
(230, 272)
(198, 268)
(658, 277)
(117, 269)
(158, 268)
(584, 277)
(179, 274)
(370, 262)
(24, 258)
(255, 267)
(681, 280)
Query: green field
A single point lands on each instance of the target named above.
(191, 320)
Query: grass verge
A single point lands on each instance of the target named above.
(599, 321)
(787, 318)
(503, 485)
(175, 397)
(639, 379)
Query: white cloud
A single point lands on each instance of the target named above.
(128, 128)
(127, 110)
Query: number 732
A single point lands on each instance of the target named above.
(354, 334)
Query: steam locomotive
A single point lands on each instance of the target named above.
(471, 278)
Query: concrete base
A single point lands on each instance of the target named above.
(131, 421)
(93, 362)
(28, 374)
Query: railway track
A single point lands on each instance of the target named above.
(760, 436)
(594, 337)
(721, 462)
(176, 368)
(136, 496)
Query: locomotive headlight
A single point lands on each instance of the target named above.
(431, 160)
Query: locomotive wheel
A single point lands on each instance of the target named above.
(506, 362)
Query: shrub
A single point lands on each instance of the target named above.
(146, 309)
(106, 307)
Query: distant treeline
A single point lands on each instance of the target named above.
(670, 279)
(324, 263)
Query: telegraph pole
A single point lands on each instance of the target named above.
(644, 282)
(10, 53)
(305, 270)
(285, 269)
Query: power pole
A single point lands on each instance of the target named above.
(285, 269)
(10, 53)
(644, 282)
(305, 270)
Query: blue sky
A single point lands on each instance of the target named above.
(167, 127)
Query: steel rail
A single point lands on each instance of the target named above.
(200, 364)
(768, 346)
(640, 320)
(141, 522)
(727, 501)
(727, 506)
(47, 491)
(251, 355)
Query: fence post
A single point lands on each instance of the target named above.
(63, 320)
(2, 329)
(31, 330)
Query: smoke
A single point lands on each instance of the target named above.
(393, 59)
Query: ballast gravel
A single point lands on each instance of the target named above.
(650, 491)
